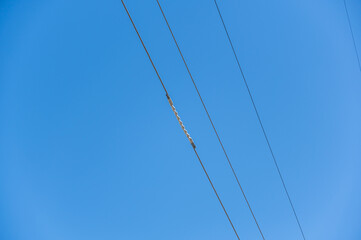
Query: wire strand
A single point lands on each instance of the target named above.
(353, 37)
(210, 119)
(260, 121)
(214, 189)
(145, 48)
(192, 144)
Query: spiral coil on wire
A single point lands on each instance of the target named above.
(180, 122)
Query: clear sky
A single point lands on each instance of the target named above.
(90, 149)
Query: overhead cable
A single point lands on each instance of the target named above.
(260, 122)
(180, 122)
(353, 37)
(210, 119)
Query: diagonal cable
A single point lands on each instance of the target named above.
(181, 123)
(210, 119)
(353, 37)
(260, 122)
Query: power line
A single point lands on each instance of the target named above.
(210, 181)
(140, 38)
(180, 122)
(353, 37)
(210, 119)
(260, 121)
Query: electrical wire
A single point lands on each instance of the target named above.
(353, 37)
(260, 121)
(178, 118)
(210, 119)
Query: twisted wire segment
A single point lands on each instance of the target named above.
(180, 121)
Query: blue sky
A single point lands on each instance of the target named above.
(90, 149)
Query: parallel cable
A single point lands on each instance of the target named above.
(260, 121)
(181, 123)
(353, 37)
(210, 119)
(210, 181)
(140, 38)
